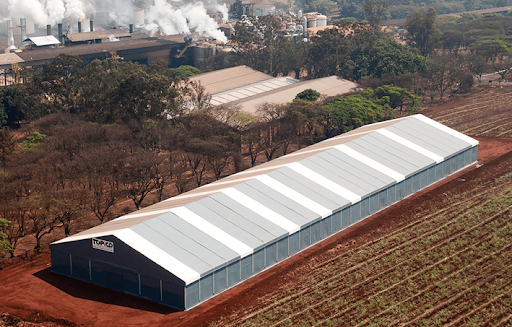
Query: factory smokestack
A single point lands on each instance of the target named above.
(23, 26)
(131, 28)
(92, 25)
(79, 27)
(10, 37)
(48, 29)
(61, 36)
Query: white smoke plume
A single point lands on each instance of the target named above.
(223, 9)
(161, 15)
(44, 12)
(185, 19)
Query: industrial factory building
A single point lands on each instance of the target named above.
(189, 248)
(248, 88)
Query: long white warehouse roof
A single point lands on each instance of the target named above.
(196, 232)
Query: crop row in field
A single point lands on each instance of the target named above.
(450, 266)
(488, 115)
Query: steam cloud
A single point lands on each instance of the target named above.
(161, 15)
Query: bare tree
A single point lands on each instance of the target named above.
(138, 176)
(179, 167)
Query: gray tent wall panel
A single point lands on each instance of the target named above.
(125, 270)
(211, 261)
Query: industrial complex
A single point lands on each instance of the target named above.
(191, 247)
(29, 46)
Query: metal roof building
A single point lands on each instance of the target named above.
(248, 88)
(184, 250)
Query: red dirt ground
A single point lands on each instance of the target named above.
(31, 292)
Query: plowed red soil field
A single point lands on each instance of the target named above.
(440, 257)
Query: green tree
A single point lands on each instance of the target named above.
(399, 98)
(306, 119)
(378, 58)
(58, 84)
(354, 111)
(491, 49)
(373, 12)
(5, 245)
(33, 140)
(13, 100)
(321, 6)
(258, 42)
(308, 95)
(187, 70)
(423, 32)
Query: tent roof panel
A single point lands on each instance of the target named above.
(286, 199)
(367, 161)
(154, 234)
(382, 157)
(434, 137)
(403, 152)
(251, 215)
(403, 155)
(446, 129)
(304, 191)
(200, 237)
(213, 231)
(243, 222)
(200, 251)
(415, 147)
(262, 210)
(355, 168)
(317, 178)
(273, 204)
(305, 183)
(226, 225)
(316, 166)
(364, 181)
(157, 255)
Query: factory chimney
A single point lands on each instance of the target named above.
(131, 28)
(23, 26)
(79, 27)
(92, 25)
(10, 37)
(61, 35)
(48, 29)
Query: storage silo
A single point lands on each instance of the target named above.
(312, 20)
(321, 20)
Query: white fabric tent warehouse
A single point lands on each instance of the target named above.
(182, 251)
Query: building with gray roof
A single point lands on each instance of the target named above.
(189, 248)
